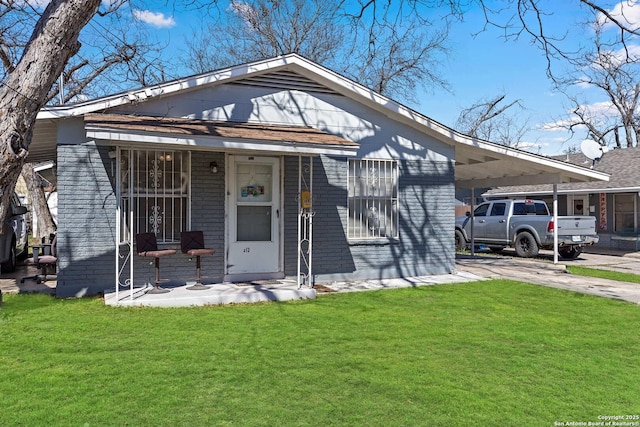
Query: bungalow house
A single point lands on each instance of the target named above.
(614, 203)
(289, 170)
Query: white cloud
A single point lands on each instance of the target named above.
(558, 125)
(583, 83)
(597, 111)
(156, 19)
(626, 13)
(630, 52)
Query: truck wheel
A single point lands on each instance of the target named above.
(526, 245)
(570, 252)
(9, 266)
(461, 244)
(23, 253)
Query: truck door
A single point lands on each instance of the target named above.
(496, 223)
(479, 221)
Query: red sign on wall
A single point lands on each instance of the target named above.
(603, 211)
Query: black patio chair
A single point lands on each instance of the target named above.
(192, 244)
(147, 246)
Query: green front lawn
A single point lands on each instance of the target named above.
(484, 353)
(604, 274)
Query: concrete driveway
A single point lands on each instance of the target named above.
(542, 271)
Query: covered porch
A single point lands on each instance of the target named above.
(248, 220)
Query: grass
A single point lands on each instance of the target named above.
(485, 353)
(604, 274)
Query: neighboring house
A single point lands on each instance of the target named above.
(615, 203)
(288, 168)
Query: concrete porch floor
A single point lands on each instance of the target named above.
(265, 290)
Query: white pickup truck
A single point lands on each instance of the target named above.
(525, 225)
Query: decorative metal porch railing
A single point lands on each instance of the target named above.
(305, 221)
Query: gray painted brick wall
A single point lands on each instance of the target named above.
(86, 220)
(425, 245)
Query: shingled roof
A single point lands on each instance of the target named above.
(623, 166)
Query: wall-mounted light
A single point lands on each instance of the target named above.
(214, 167)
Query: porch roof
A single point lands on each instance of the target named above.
(623, 166)
(216, 134)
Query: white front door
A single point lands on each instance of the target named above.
(254, 215)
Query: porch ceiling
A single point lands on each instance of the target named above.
(215, 134)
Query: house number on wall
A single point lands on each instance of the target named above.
(246, 250)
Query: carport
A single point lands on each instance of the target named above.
(481, 164)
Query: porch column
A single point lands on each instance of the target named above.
(555, 223)
(305, 222)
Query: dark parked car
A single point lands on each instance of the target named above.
(14, 239)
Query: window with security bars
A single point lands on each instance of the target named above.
(156, 185)
(373, 199)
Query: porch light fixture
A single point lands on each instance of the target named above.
(214, 167)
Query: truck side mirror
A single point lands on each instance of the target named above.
(468, 213)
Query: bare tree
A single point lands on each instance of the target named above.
(392, 53)
(615, 75)
(263, 28)
(493, 120)
(24, 93)
(531, 19)
(120, 58)
(116, 51)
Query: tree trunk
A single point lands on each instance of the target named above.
(53, 42)
(44, 221)
(628, 129)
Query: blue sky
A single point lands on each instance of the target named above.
(477, 67)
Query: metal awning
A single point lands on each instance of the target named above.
(224, 136)
(481, 164)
